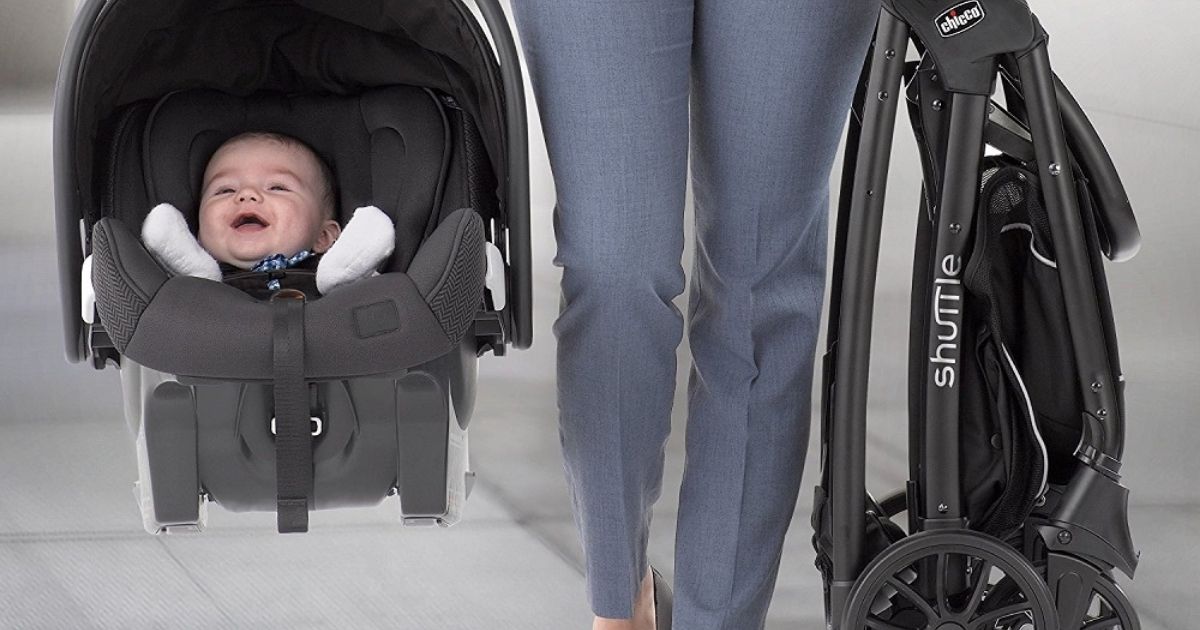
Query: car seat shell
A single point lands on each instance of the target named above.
(389, 361)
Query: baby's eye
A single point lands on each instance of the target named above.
(278, 187)
(224, 190)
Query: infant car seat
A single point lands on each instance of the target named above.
(287, 404)
(388, 147)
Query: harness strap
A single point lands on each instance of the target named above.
(293, 439)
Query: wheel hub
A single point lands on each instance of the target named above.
(950, 625)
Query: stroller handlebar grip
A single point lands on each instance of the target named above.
(1120, 236)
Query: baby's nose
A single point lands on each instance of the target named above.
(248, 194)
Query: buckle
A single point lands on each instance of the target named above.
(320, 426)
(288, 294)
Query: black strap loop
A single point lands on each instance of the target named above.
(293, 439)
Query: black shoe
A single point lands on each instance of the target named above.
(662, 601)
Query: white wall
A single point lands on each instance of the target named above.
(1137, 59)
(32, 34)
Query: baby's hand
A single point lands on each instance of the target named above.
(165, 233)
(368, 239)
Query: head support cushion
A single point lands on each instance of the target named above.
(387, 147)
(367, 240)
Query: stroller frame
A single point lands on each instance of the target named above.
(1084, 533)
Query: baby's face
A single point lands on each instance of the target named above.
(262, 197)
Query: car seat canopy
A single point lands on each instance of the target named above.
(146, 49)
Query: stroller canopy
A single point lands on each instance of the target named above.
(125, 51)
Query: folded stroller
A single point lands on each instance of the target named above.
(289, 405)
(1016, 518)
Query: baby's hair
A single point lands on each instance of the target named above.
(328, 197)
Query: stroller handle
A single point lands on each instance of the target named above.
(1120, 236)
(68, 217)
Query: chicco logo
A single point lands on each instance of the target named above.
(960, 18)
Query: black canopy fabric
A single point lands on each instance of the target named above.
(145, 49)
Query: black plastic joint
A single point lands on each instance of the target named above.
(1108, 466)
(490, 333)
(101, 349)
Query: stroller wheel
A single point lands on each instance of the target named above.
(1109, 608)
(1105, 607)
(948, 580)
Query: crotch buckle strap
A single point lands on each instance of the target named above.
(293, 439)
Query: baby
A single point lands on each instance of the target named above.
(267, 203)
(266, 194)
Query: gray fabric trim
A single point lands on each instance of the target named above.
(449, 271)
(432, 264)
(376, 319)
(459, 296)
(200, 328)
(125, 279)
(194, 327)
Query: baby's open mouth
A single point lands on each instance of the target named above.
(248, 221)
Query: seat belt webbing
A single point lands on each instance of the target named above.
(293, 439)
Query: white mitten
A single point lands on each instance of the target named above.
(368, 238)
(165, 233)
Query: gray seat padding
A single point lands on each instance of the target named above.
(388, 147)
(195, 327)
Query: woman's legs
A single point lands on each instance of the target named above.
(772, 80)
(611, 78)
(772, 84)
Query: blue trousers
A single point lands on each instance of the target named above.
(757, 92)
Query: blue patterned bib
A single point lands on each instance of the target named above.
(277, 262)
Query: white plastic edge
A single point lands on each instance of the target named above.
(88, 303)
(494, 280)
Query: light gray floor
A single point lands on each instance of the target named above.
(72, 554)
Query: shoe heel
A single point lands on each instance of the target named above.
(663, 599)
